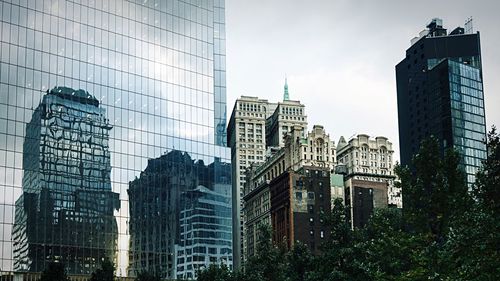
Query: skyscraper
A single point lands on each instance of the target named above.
(290, 190)
(247, 139)
(155, 70)
(368, 176)
(255, 125)
(440, 93)
(285, 117)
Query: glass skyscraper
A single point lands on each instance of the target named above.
(440, 93)
(112, 115)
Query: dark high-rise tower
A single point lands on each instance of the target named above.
(440, 93)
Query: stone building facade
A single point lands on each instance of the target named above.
(314, 150)
(256, 125)
(299, 201)
(369, 175)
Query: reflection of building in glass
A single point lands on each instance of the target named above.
(180, 216)
(205, 231)
(157, 67)
(66, 211)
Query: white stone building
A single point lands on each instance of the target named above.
(256, 124)
(247, 139)
(368, 165)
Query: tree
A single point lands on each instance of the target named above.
(487, 188)
(213, 273)
(269, 262)
(298, 262)
(339, 259)
(387, 252)
(472, 250)
(54, 272)
(105, 273)
(457, 231)
(434, 192)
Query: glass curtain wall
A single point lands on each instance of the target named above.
(468, 117)
(112, 114)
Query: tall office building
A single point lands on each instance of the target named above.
(247, 139)
(153, 80)
(368, 176)
(299, 202)
(269, 188)
(287, 115)
(440, 93)
(255, 125)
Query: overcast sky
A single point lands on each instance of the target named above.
(340, 56)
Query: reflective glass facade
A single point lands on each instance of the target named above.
(104, 107)
(65, 212)
(457, 112)
(205, 230)
(440, 93)
(180, 217)
(467, 116)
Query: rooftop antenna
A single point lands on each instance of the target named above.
(468, 26)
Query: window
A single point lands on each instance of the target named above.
(298, 196)
(310, 195)
(310, 209)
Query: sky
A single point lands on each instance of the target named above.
(340, 56)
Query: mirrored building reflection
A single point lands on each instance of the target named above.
(180, 216)
(65, 213)
(154, 86)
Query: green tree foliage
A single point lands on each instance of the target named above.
(54, 272)
(269, 262)
(298, 262)
(435, 195)
(338, 260)
(105, 273)
(213, 273)
(435, 191)
(445, 231)
(382, 240)
(147, 276)
(487, 188)
(473, 244)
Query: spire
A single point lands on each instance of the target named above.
(286, 96)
